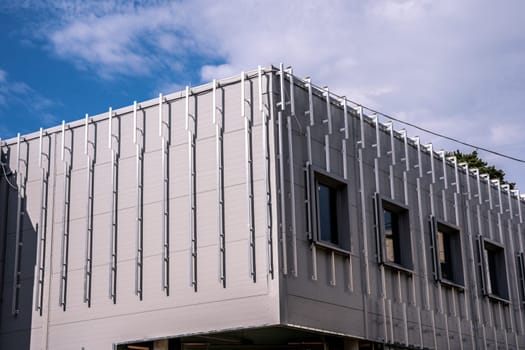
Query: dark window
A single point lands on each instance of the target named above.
(330, 213)
(520, 268)
(448, 253)
(495, 270)
(393, 233)
(446, 246)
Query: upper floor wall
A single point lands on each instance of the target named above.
(386, 239)
(148, 221)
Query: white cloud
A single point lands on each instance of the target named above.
(210, 72)
(453, 66)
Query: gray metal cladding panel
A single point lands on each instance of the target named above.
(248, 291)
(325, 316)
(451, 195)
(103, 333)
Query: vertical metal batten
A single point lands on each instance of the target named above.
(443, 157)
(139, 223)
(192, 191)
(249, 175)
(88, 260)
(385, 301)
(328, 121)
(43, 163)
(219, 133)
(282, 103)
(422, 225)
(472, 241)
(114, 208)
(406, 160)
(344, 142)
(282, 194)
(267, 115)
(478, 183)
(20, 211)
(406, 169)
(392, 152)
(282, 188)
(65, 221)
(361, 141)
(377, 145)
(292, 195)
(518, 203)
(165, 199)
(328, 110)
(291, 178)
(327, 152)
(429, 147)
(364, 221)
(309, 200)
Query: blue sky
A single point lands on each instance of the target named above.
(456, 67)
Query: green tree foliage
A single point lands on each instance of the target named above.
(474, 161)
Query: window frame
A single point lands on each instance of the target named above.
(458, 278)
(488, 245)
(380, 204)
(315, 177)
(520, 274)
(486, 280)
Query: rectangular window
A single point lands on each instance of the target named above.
(330, 211)
(445, 243)
(392, 224)
(495, 270)
(520, 268)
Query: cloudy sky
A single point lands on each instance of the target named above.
(455, 67)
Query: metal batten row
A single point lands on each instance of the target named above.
(359, 111)
(89, 140)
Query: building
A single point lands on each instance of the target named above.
(255, 212)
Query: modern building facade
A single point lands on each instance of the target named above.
(254, 212)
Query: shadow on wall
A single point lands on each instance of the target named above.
(18, 246)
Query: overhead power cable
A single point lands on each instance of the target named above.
(499, 154)
(445, 136)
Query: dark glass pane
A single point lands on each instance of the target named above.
(444, 253)
(492, 262)
(328, 214)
